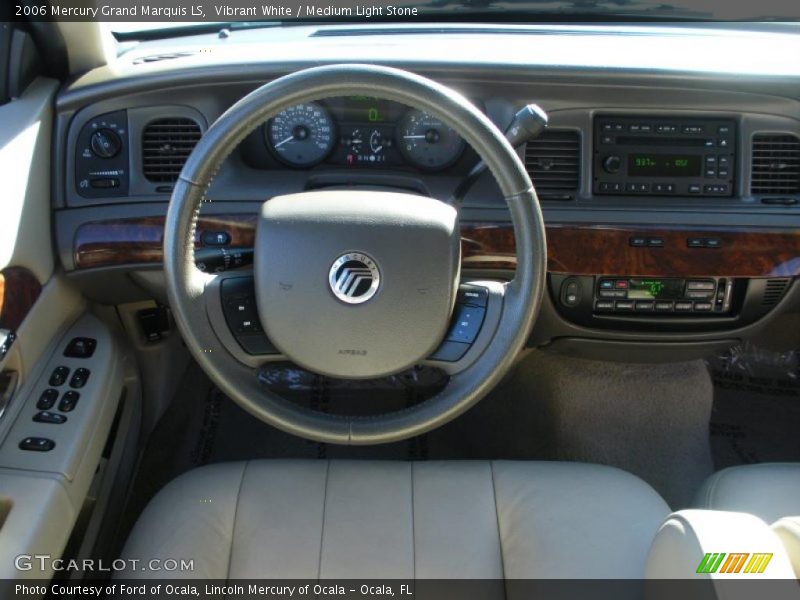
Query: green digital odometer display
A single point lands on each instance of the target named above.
(664, 165)
(655, 289)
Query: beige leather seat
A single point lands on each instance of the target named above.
(381, 519)
(769, 491)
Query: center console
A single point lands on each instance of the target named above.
(664, 156)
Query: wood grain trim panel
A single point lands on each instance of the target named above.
(141, 240)
(575, 249)
(19, 290)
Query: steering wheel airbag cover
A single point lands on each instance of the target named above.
(411, 243)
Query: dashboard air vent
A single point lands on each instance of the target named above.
(166, 144)
(553, 162)
(774, 291)
(159, 57)
(776, 164)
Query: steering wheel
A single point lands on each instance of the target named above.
(358, 284)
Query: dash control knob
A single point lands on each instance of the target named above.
(105, 143)
(612, 164)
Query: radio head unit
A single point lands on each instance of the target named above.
(664, 156)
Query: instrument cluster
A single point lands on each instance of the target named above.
(361, 131)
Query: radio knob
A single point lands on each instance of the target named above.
(612, 164)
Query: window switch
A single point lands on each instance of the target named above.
(79, 378)
(59, 376)
(69, 401)
(47, 399)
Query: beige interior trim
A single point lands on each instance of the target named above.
(89, 45)
(25, 148)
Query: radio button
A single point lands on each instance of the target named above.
(723, 130)
(606, 284)
(612, 164)
(724, 161)
(623, 305)
(692, 129)
(683, 307)
(696, 242)
(644, 306)
(613, 294)
(700, 285)
(666, 128)
(695, 188)
(638, 242)
(663, 306)
(713, 243)
(604, 305)
(699, 294)
(711, 172)
(723, 142)
(702, 306)
(655, 243)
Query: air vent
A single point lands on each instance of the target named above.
(776, 164)
(159, 57)
(166, 143)
(774, 291)
(553, 162)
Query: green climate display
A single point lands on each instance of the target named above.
(664, 165)
(655, 289)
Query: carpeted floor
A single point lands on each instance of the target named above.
(756, 416)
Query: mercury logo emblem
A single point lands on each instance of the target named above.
(354, 278)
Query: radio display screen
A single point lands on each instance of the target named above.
(664, 165)
(655, 289)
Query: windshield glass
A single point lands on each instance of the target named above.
(247, 14)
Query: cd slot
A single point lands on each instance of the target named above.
(625, 140)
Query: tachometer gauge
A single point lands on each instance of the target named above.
(427, 142)
(302, 135)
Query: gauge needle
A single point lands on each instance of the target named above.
(288, 139)
(413, 137)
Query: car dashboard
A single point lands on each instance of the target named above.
(669, 178)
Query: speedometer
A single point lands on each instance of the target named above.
(302, 135)
(427, 141)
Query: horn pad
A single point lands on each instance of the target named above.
(356, 284)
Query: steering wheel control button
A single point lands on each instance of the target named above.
(79, 378)
(47, 399)
(239, 307)
(49, 417)
(80, 347)
(69, 401)
(37, 444)
(59, 376)
(354, 278)
(466, 324)
(450, 351)
(473, 295)
(215, 238)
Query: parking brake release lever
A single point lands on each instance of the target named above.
(528, 124)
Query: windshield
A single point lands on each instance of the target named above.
(246, 14)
